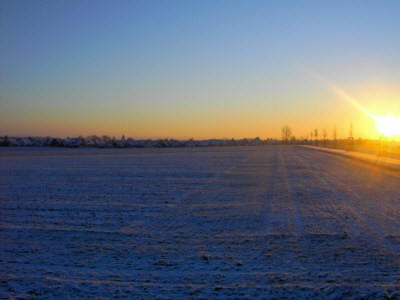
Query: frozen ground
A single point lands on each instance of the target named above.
(383, 161)
(223, 222)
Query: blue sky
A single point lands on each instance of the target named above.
(194, 68)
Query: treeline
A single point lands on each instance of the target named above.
(108, 142)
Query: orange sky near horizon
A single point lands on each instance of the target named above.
(238, 120)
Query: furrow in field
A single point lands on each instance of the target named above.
(368, 227)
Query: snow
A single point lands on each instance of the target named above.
(386, 162)
(222, 222)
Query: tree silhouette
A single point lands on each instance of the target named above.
(286, 133)
(316, 136)
(335, 135)
(351, 139)
(351, 130)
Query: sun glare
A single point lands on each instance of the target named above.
(389, 125)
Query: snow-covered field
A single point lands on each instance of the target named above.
(248, 222)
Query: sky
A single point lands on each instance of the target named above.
(201, 69)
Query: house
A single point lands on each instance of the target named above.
(75, 142)
(56, 142)
(100, 144)
(243, 142)
(130, 143)
(37, 143)
(4, 141)
(147, 144)
(161, 143)
(256, 142)
(201, 143)
(230, 142)
(175, 143)
(119, 144)
(190, 143)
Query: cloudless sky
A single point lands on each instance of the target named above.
(202, 69)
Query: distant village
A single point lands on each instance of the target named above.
(108, 142)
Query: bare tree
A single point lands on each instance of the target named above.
(351, 139)
(335, 135)
(106, 138)
(316, 136)
(92, 137)
(286, 133)
(311, 136)
(351, 130)
(324, 134)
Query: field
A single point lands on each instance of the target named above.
(249, 222)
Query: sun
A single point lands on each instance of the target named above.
(389, 126)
